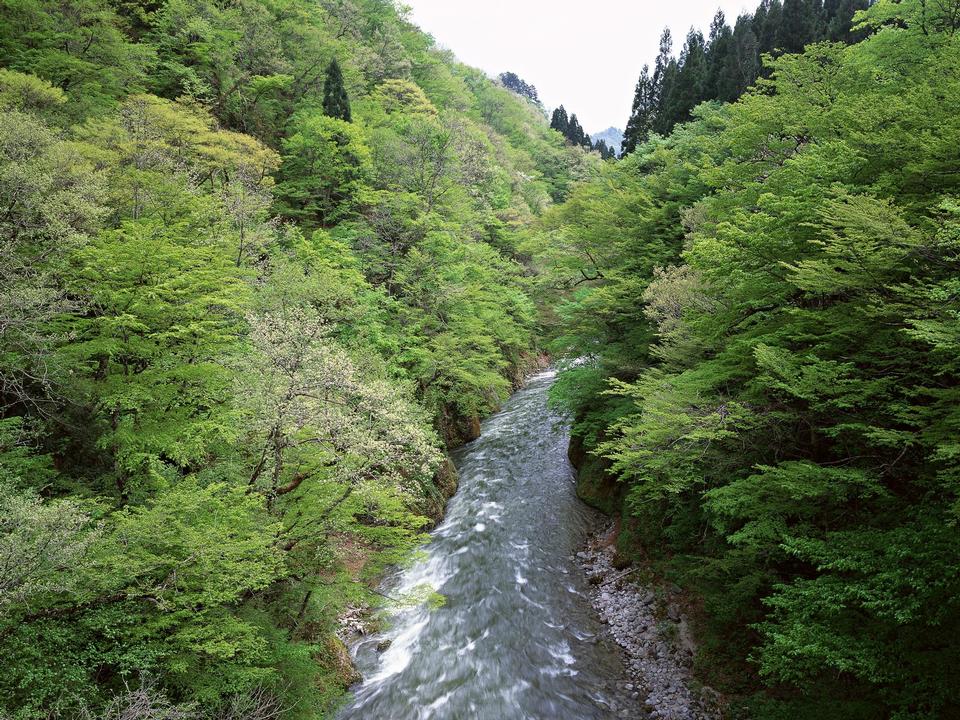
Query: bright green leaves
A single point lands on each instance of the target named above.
(883, 604)
(230, 423)
(162, 154)
(471, 318)
(52, 198)
(822, 384)
(793, 449)
(79, 46)
(167, 288)
(865, 245)
(325, 165)
(316, 412)
(193, 547)
(28, 93)
(405, 98)
(44, 547)
(150, 592)
(776, 504)
(678, 434)
(166, 313)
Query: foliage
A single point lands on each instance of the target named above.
(763, 308)
(260, 267)
(727, 63)
(336, 104)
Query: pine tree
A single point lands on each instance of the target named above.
(642, 115)
(336, 103)
(515, 83)
(838, 17)
(767, 20)
(666, 98)
(745, 60)
(664, 77)
(606, 152)
(575, 133)
(560, 122)
(721, 80)
(801, 20)
(664, 58)
(683, 83)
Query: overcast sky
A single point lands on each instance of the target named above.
(586, 55)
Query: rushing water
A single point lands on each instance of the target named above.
(517, 637)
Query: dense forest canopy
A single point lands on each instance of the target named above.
(263, 263)
(260, 267)
(764, 305)
(728, 61)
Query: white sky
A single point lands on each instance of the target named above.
(585, 54)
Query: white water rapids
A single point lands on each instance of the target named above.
(517, 637)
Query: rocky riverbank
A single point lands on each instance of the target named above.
(648, 623)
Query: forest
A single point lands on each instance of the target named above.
(766, 303)
(263, 265)
(260, 268)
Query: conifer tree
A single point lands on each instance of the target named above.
(767, 20)
(642, 115)
(664, 58)
(745, 60)
(336, 103)
(721, 79)
(801, 19)
(684, 83)
(575, 133)
(559, 121)
(666, 94)
(838, 17)
(515, 83)
(664, 76)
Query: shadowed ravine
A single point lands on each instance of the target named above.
(517, 637)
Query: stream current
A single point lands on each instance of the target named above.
(517, 637)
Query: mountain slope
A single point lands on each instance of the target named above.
(260, 268)
(766, 390)
(612, 136)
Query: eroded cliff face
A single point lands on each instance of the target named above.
(595, 486)
(444, 488)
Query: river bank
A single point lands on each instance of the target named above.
(516, 636)
(648, 623)
(357, 621)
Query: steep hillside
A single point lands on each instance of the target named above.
(259, 267)
(764, 307)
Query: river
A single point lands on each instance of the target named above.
(517, 637)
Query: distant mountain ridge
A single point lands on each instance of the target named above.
(612, 136)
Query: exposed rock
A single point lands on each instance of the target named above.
(659, 653)
(354, 623)
(346, 672)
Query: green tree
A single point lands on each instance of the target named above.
(642, 116)
(560, 122)
(336, 104)
(762, 336)
(575, 133)
(324, 170)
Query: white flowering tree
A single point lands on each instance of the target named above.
(335, 446)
